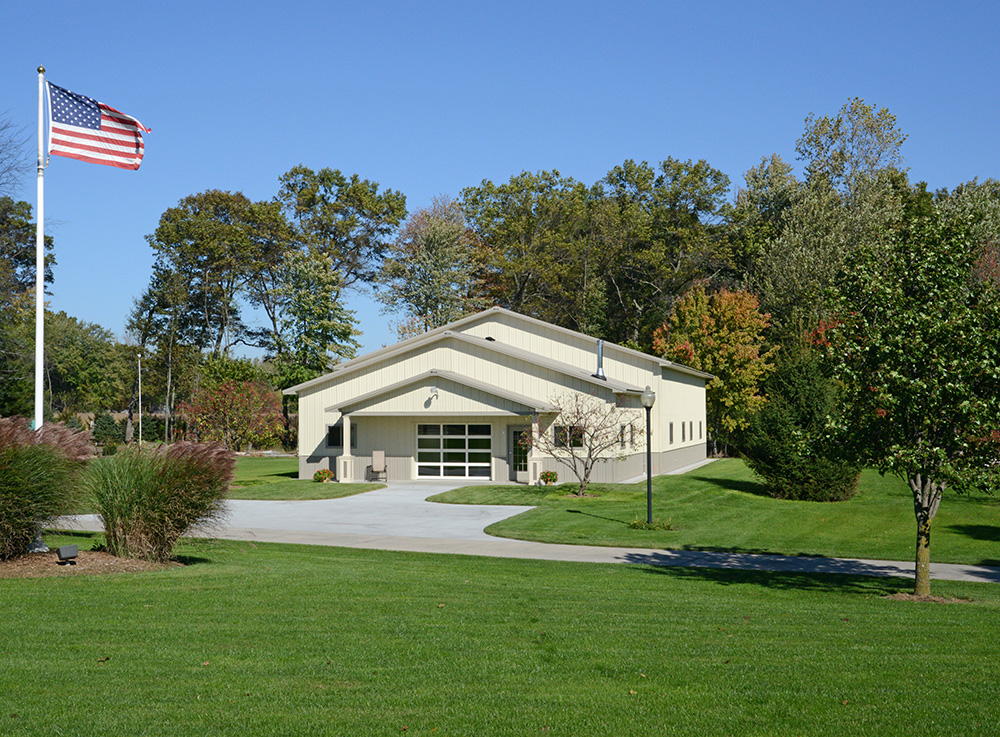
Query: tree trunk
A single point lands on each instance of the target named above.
(922, 578)
(129, 427)
(926, 499)
(170, 366)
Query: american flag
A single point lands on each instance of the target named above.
(85, 129)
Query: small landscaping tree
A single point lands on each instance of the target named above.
(236, 414)
(106, 430)
(918, 350)
(586, 431)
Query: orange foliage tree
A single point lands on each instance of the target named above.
(721, 333)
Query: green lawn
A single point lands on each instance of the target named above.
(278, 478)
(721, 507)
(296, 640)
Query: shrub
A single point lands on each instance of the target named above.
(656, 524)
(152, 428)
(548, 477)
(37, 472)
(324, 474)
(106, 430)
(785, 443)
(149, 497)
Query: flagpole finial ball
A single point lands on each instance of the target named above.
(41, 70)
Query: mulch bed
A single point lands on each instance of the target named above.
(931, 599)
(88, 562)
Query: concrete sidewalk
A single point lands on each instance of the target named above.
(505, 548)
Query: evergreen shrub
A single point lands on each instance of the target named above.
(785, 443)
(106, 430)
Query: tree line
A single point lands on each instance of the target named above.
(849, 315)
(619, 259)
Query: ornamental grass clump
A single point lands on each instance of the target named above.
(37, 472)
(147, 498)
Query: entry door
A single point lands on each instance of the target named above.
(517, 454)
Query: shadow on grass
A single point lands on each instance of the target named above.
(870, 584)
(990, 533)
(191, 560)
(597, 516)
(83, 534)
(747, 487)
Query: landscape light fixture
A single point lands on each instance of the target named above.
(647, 398)
(67, 555)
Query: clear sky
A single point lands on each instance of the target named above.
(430, 97)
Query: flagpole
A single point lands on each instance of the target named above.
(40, 264)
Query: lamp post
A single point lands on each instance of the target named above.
(647, 398)
(139, 357)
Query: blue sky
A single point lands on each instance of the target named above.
(431, 97)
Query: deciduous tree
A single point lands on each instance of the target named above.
(428, 274)
(207, 242)
(721, 333)
(918, 350)
(530, 245)
(234, 413)
(343, 218)
(853, 196)
(13, 161)
(587, 431)
(660, 229)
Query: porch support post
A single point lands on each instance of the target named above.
(346, 461)
(532, 452)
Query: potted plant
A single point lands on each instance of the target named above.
(548, 477)
(323, 475)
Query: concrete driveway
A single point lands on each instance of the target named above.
(399, 510)
(399, 518)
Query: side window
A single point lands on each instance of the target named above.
(335, 435)
(567, 436)
(671, 433)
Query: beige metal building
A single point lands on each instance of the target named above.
(455, 402)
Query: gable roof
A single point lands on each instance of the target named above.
(448, 331)
(532, 404)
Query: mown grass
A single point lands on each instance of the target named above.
(278, 479)
(282, 639)
(721, 506)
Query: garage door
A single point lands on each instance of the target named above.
(454, 451)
